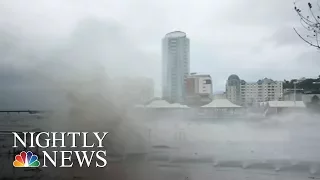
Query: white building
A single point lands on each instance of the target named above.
(198, 89)
(175, 65)
(247, 94)
(199, 84)
(233, 89)
(261, 91)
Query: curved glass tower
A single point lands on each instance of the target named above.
(175, 66)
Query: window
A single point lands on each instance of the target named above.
(208, 81)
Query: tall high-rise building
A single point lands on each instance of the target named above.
(175, 66)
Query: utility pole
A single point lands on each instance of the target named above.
(149, 138)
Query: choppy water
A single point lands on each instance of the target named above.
(285, 148)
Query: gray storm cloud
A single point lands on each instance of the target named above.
(233, 32)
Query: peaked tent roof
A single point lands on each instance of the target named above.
(299, 104)
(164, 104)
(158, 103)
(221, 103)
(179, 105)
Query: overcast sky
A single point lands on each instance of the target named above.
(251, 38)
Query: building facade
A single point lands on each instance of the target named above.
(233, 89)
(175, 66)
(261, 91)
(198, 90)
(247, 94)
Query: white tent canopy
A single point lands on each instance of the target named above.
(221, 103)
(177, 105)
(286, 104)
(164, 104)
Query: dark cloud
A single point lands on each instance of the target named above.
(95, 48)
(99, 43)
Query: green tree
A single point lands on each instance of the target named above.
(307, 84)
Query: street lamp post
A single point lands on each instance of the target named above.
(294, 91)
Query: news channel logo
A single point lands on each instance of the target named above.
(84, 158)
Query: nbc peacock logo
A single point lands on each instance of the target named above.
(26, 159)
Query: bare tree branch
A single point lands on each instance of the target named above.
(317, 40)
(310, 8)
(311, 23)
(305, 39)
